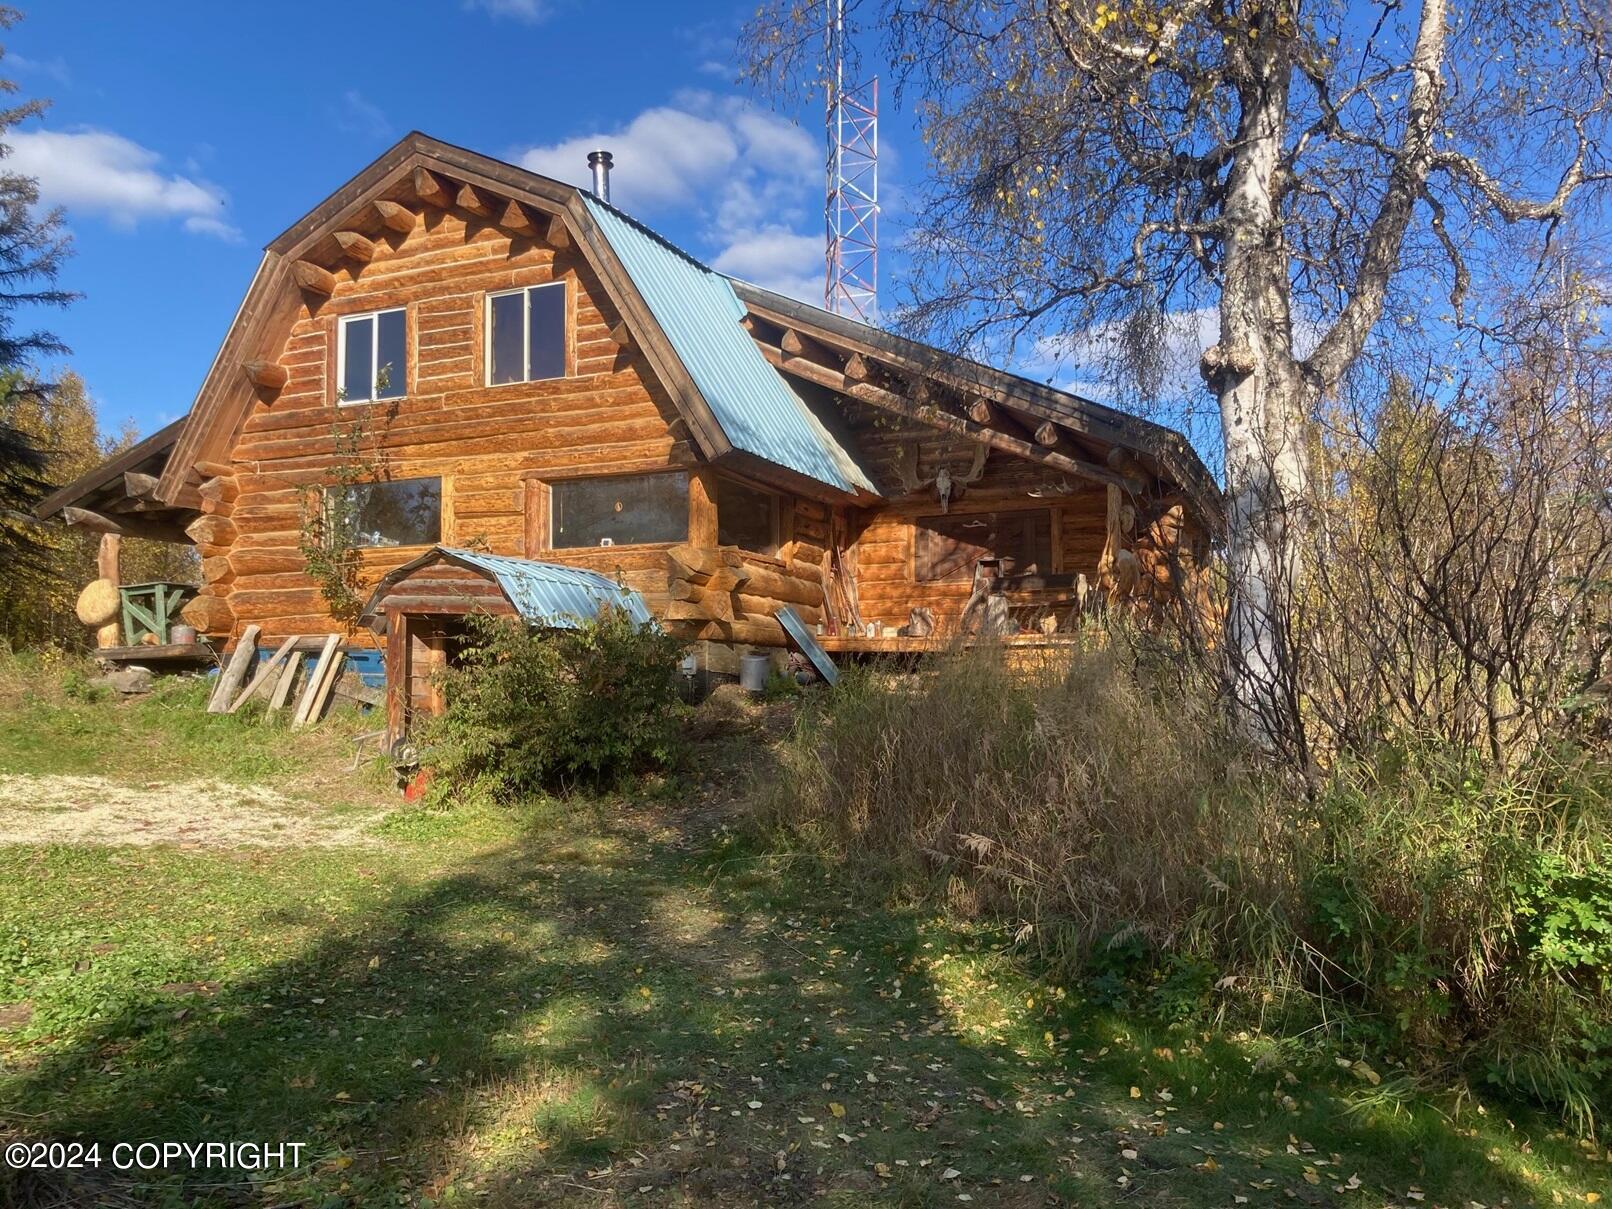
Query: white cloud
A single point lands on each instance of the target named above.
(96, 171)
(749, 179)
(54, 68)
(357, 114)
(776, 259)
(529, 11)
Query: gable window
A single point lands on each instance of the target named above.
(947, 547)
(371, 356)
(619, 511)
(746, 517)
(397, 512)
(526, 334)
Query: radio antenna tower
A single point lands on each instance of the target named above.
(851, 209)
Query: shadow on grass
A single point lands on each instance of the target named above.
(616, 1007)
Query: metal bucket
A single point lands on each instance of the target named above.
(753, 671)
(182, 635)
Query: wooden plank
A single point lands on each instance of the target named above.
(264, 671)
(282, 688)
(316, 679)
(235, 671)
(397, 675)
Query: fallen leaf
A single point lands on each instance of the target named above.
(951, 1173)
(837, 1110)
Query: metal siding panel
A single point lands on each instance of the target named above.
(552, 595)
(699, 312)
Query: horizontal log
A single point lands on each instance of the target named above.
(429, 188)
(313, 278)
(266, 374)
(211, 530)
(515, 218)
(217, 569)
(209, 614)
(695, 562)
(139, 486)
(757, 633)
(784, 588)
(397, 217)
(355, 246)
(212, 470)
(470, 199)
(762, 607)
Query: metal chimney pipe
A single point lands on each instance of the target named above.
(600, 162)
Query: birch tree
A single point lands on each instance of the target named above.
(1294, 170)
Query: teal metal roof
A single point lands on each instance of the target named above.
(543, 593)
(697, 308)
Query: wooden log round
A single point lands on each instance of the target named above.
(98, 603)
(209, 614)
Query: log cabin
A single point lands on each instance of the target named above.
(479, 358)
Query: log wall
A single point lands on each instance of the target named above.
(488, 444)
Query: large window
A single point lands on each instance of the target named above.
(746, 517)
(401, 512)
(619, 511)
(947, 547)
(526, 334)
(371, 355)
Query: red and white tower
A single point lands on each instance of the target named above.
(851, 209)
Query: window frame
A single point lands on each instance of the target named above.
(777, 513)
(374, 354)
(525, 291)
(917, 527)
(443, 483)
(539, 509)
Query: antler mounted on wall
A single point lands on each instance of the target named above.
(947, 485)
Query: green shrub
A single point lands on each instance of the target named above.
(528, 711)
(1416, 902)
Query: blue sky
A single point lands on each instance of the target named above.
(180, 144)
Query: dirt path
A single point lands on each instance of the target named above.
(94, 810)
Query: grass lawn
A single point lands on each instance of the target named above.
(618, 1001)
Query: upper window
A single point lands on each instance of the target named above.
(746, 517)
(619, 511)
(526, 334)
(398, 512)
(371, 356)
(949, 546)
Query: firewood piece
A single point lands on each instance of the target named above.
(429, 189)
(235, 671)
(267, 374)
(264, 673)
(313, 278)
(355, 246)
(282, 688)
(395, 216)
(312, 694)
(516, 219)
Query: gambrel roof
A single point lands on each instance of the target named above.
(743, 366)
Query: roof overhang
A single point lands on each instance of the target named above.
(1062, 431)
(120, 495)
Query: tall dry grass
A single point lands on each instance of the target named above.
(1101, 805)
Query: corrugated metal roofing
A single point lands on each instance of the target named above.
(552, 595)
(699, 311)
(543, 593)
